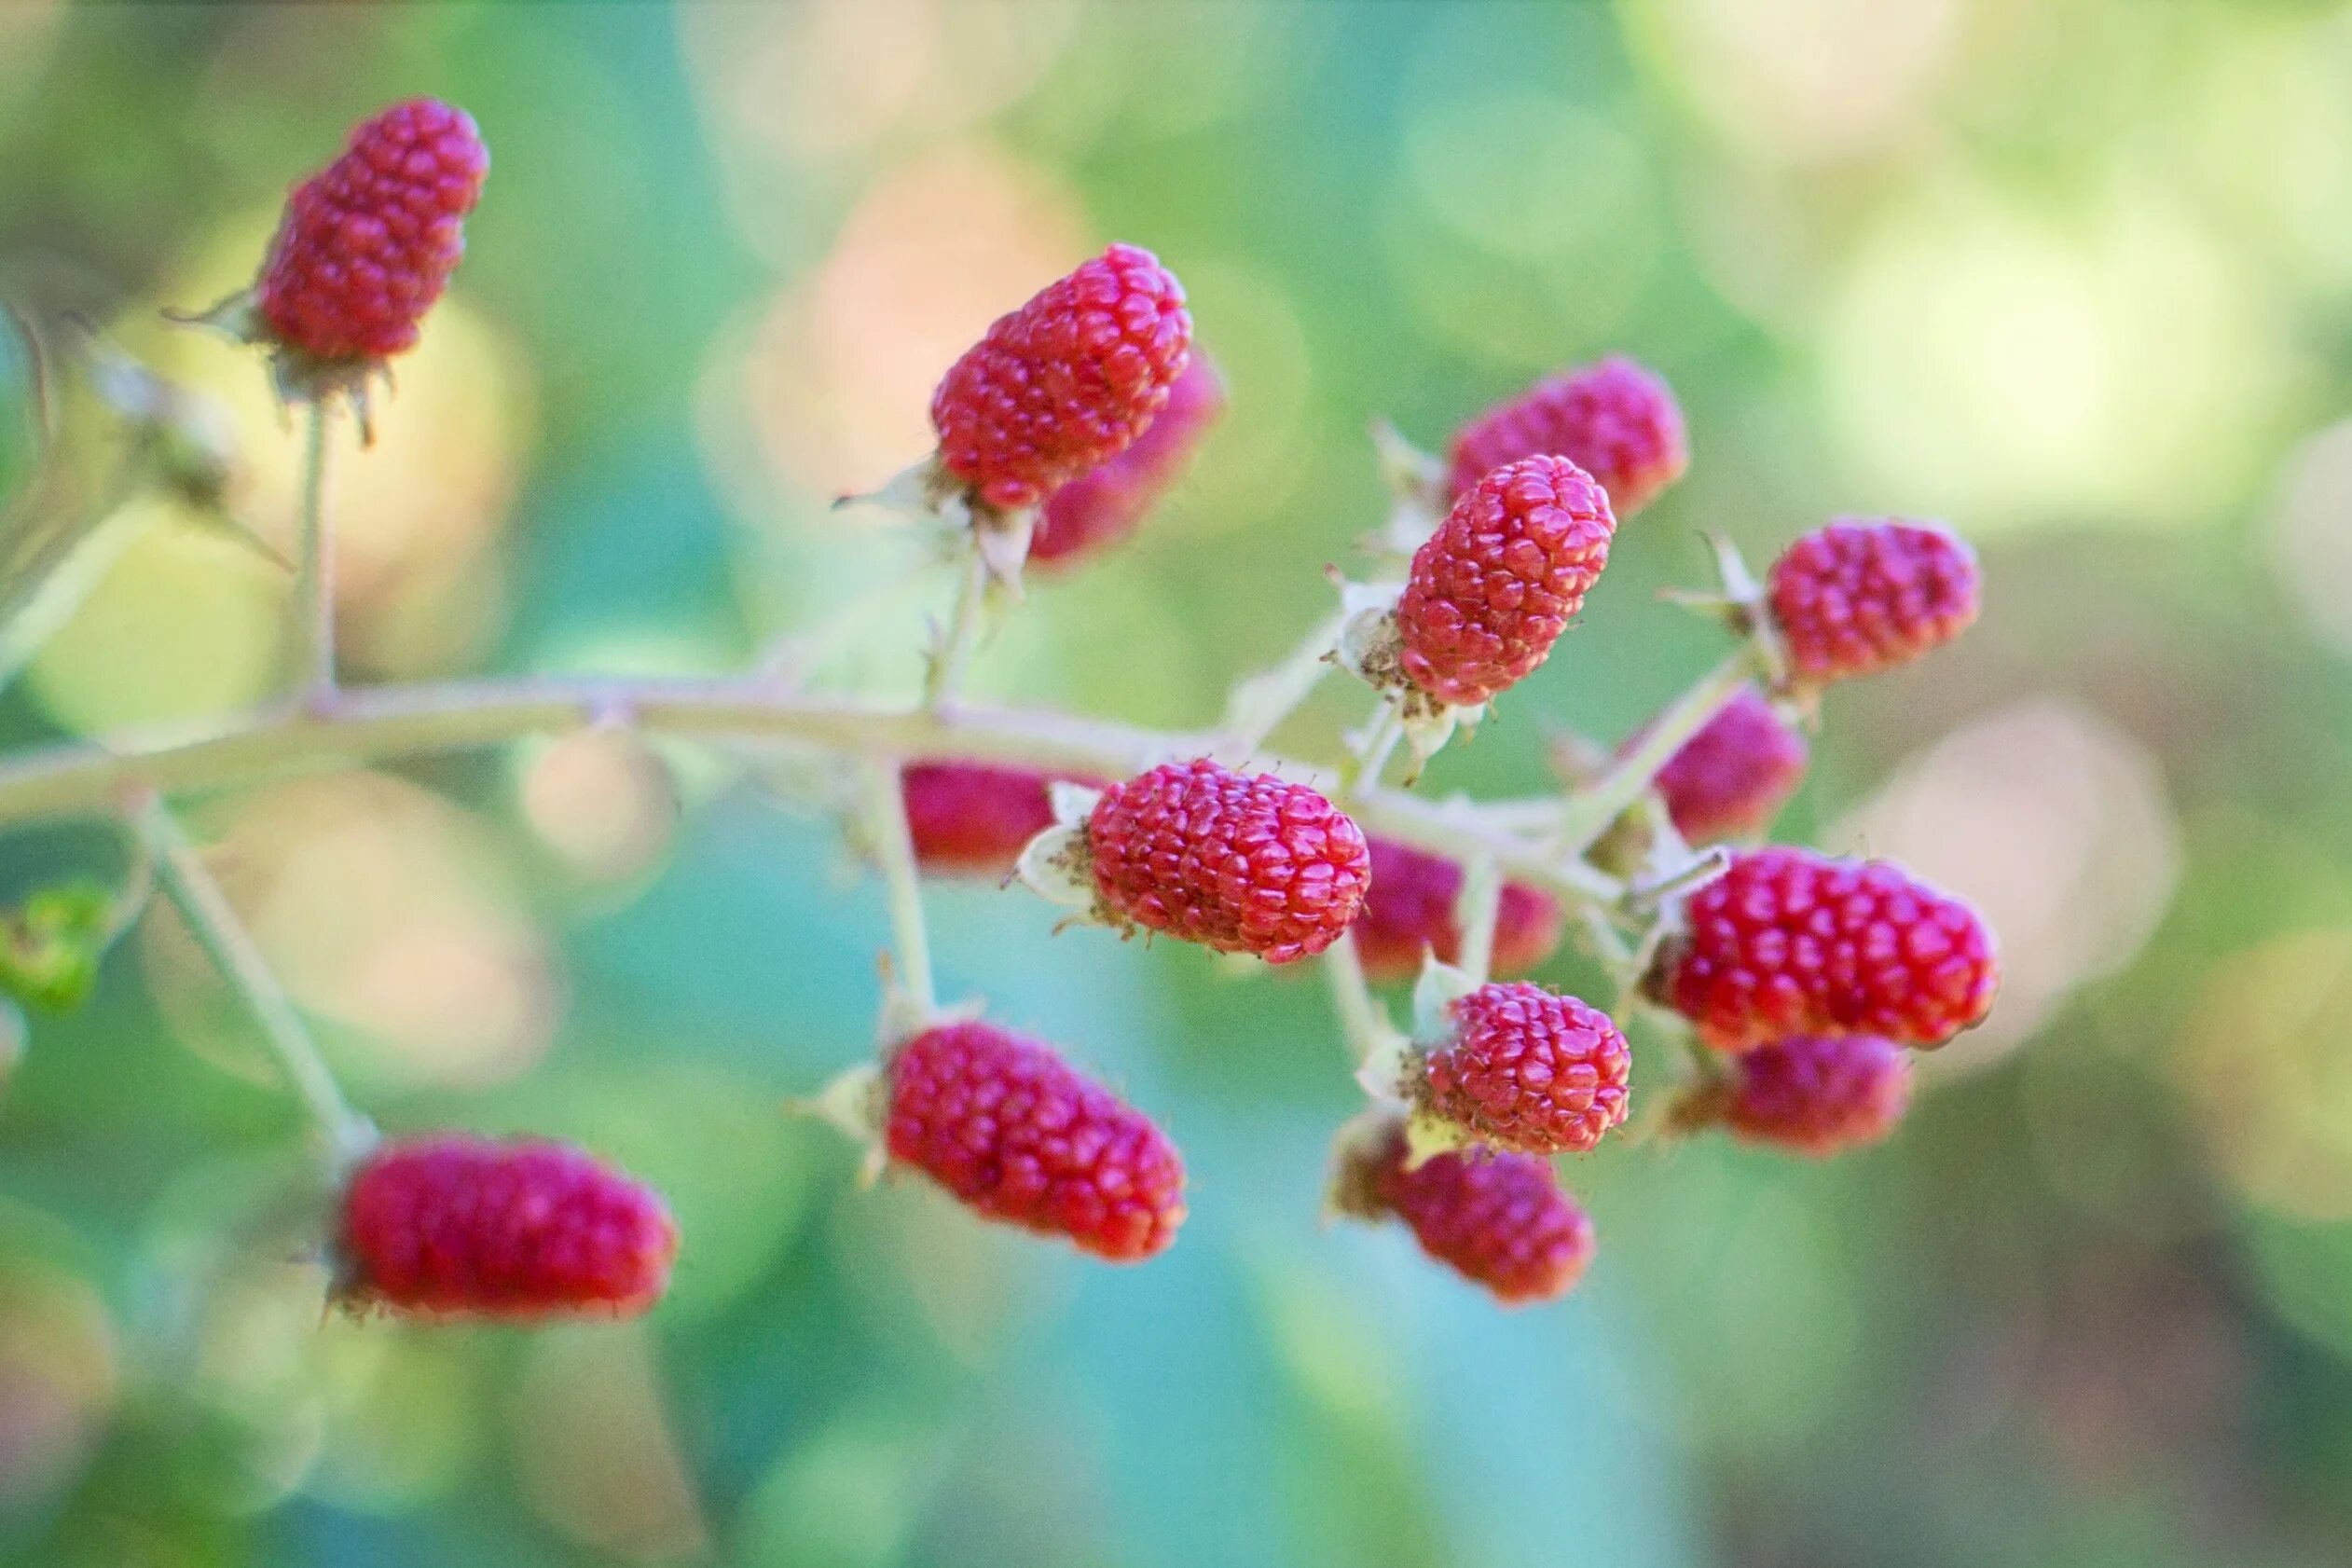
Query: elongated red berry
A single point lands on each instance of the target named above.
(1499, 1221)
(1492, 590)
(1732, 777)
(1820, 1094)
(1066, 381)
(1529, 1070)
(1014, 1131)
(1239, 863)
(367, 243)
(460, 1226)
(974, 818)
(1411, 911)
(1103, 506)
(1864, 595)
(1790, 942)
(1616, 420)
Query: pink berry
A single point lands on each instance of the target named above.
(1616, 420)
(1820, 1094)
(458, 1226)
(1494, 586)
(1239, 863)
(1790, 943)
(1411, 911)
(1860, 595)
(1064, 382)
(1103, 506)
(1499, 1221)
(974, 818)
(1732, 777)
(1012, 1131)
(1529, 1071)
(367, 245)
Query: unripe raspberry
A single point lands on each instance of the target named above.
(460, 1226)
(1820, 1094)
(1732, 777)
(974, 818)
(1494, 586)
(367, 243)
(1012, 1130)
(1789, 943)
(1411, 911)
(1529, 1071)
(1066, 381)
(1102, 506)
(1239, 863)
(1616, 420)
(1860, 595)
(1500, 1220)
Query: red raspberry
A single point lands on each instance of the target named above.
(1238, 863)
(1500, 1220)
(1102, 506)
(1411, 910)
(1858, 596)
(1008, 1127)
(367, 243)
(1499, 581)
(1819, 1094)
(975, 818)
(1733, 777)
(1788, 941)
(1064, 382)
(1616, 420)
(464, 1226)
(1529, 1071)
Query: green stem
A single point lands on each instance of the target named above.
(1362, 1021)
(1262, 702)
(894, 852)
(311, 644)
(341, 1133)
(946, 674)
(50, 602)
(1589, 811)
(1364, 770)
(1480, 907)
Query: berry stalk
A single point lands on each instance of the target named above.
(1589, 811)
(894, 852)
(341, 1133)
(311, 655)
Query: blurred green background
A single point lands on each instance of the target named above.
(2070, 273)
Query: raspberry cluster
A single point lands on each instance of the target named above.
(1529, 1071)
(1500, 580)
(464, 1227)
(1788, 941)
(1858, 596)
(1616, 420)
(1410, 911)
(1499, 1221)
(1012, 1130)
(367, 245)
(1239, 863)
(1732, 777)
(1102, 506)
(1065, 382)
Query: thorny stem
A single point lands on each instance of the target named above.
(1362, 1022)
(1589, 811)
(1362, 772)
(1262, 702)
(946, 673)
(894, 851)
(312, 640)
(357, 726)
(1481, 908)
(341, 1133)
